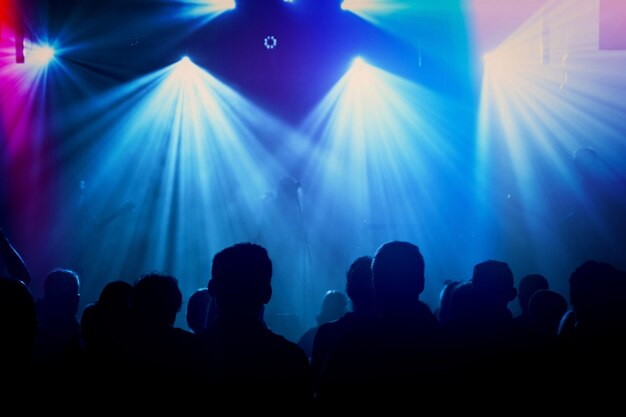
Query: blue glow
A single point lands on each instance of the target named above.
(543, 99)
(184, 149)
(381, 143)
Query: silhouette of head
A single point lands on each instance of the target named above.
(493, 284)
(334, 305)
(546, 308)
(462, 304)
(114, 300)
(597, 294)
(156, 298)
(115, 293)
(198, 310)
(528, 285)
(240, 280)
(398, 276)
(359, 286)
(61, 293)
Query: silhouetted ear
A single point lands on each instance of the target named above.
(267, 294)
(512, 294)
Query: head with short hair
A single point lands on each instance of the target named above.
(156, 298)
(61, 293)
(334, 305)
(493, 284)
(528, 285)
(240, 281)
(359, 286)
(198, 310)
(397, 275)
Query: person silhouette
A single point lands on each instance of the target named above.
(282, 231)
(360, 291)
(18, 330)
(386, 363)
(198, 310)
(241, 359)
(527, 286)
(334, 306)
(160, 354)
(58, 343)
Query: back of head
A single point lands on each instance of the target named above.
(114, 305)
(156, 299)
(116, 294)
(462, 305)
(198, 310)
(527, 286)
(61, 294)
(493, 284)
(241, 280)
(597, 293)
(359, 285)
(398, 276)
(334, 305)
(61, 283)
(546, 308)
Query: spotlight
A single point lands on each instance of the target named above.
(361, 72)
(358, 62)
(185, 65)
(39, 55)
(186, 71)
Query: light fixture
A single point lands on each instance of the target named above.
(270, 42)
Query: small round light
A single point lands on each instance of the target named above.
(270, 42)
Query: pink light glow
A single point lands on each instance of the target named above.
(494, 20)
(27, 162)
(613, 24)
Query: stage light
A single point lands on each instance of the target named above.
(270, 42)
(209, 7)
(185, 68)
(373, 7)
(358, 62)
(199, 141)
(361, 72)
(216, 5)
(39, 55)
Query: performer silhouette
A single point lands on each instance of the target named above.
(282, 231)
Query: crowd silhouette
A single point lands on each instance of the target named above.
(385, 347)
(376, 346)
